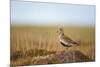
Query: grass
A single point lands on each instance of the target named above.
(30, 42)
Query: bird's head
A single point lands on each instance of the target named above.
(60, 31)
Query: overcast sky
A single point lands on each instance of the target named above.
(38, 13)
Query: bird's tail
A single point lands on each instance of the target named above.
(76, 42)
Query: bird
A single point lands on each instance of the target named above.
(65, 40)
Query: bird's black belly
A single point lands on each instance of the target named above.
(65, 45)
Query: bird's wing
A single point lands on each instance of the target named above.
(69, 40)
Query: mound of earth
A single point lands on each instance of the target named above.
(63, 57)
(53, 58)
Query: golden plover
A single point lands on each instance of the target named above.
(64, 40)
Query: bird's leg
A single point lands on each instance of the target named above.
(66, 48)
